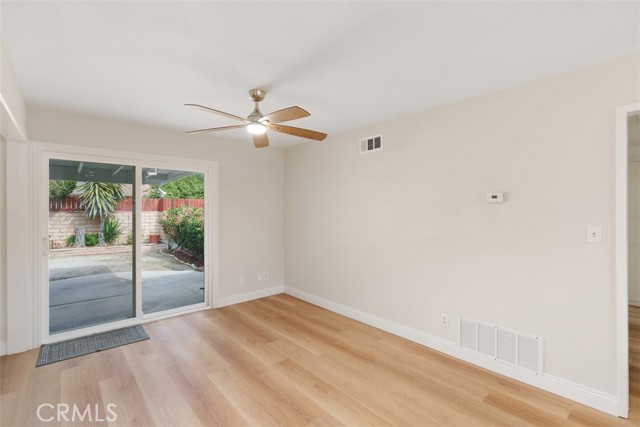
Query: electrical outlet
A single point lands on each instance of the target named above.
(444, 319)
(241, 280)
(259, 279)
(594, 234)
(265, 276)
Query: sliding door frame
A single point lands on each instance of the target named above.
(44, 153)
(622, 255)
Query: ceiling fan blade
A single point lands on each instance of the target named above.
(261, 141)
(285, 115)
(216, 129)
(303, 133)
(221, 113)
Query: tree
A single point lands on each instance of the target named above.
(60, 189)
(187, 187)
(99, 200)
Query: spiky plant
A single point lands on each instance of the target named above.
(111, 230)
(99, 200)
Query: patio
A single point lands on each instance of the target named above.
(91, 289)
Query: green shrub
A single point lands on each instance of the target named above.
(89, 240)
(111, 230)
(129, 240)
(61, 189)
(185, 226)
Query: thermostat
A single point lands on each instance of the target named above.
(495, 197)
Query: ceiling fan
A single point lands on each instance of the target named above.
(257, 123)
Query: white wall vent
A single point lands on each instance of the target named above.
(503, 345)
(468, 334)
(371, 143)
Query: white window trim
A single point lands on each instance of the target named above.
(621, 257)
(46, 151)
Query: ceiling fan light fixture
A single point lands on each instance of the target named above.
(256, 128)
(257, 123)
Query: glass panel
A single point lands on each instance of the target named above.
(91, 219)
(172, 239)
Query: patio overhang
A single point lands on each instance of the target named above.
(71, 170)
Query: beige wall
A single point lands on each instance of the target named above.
(405, 233)
(22, 254)
(12, 123)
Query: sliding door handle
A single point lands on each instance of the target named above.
(45, 246)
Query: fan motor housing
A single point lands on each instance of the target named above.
(257, 95)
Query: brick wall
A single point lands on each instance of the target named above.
(67, 214)
(62, 224)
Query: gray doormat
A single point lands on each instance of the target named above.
(63, 350)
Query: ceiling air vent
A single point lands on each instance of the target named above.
(503, 345)
(371, 143)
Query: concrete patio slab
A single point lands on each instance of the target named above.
(94, 289)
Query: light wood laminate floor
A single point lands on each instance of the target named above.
(281, 361)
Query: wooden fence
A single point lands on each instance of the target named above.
(126, 204)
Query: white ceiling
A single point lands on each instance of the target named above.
(350, 64)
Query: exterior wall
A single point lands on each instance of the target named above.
(150, 224)
(62, 224)
(65, 215)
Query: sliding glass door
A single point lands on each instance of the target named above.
(173, 243)
(91, 232)
(124, 242)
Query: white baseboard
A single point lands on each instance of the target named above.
(248, 296)
(635, 303)
(3, 348)
(587, 396)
